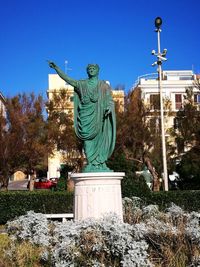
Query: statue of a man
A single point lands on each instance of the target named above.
(94, 117)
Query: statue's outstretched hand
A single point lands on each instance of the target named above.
(51, 64)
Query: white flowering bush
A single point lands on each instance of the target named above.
(150, 211)
(33, 227)
(104, 242)
(193, 227)
(132, 209)
(151, 238)
(96, 242)
(173, 235)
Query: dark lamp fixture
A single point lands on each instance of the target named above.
(158, 22)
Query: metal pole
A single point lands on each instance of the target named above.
(159, 62)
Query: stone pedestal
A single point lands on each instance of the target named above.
(97, 193)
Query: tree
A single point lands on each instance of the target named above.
(137, 138)
(188, 122)
(23, 136)
(189, 170)
(4, 141)
(10, 140)
(61, 134)
(35, 136)
(187, 138)
(132, 129)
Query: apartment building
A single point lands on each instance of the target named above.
(174, 85)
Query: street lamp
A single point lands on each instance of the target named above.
(158, 22)
(160, 58)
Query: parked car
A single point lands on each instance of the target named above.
(43, 183)
(55, 180)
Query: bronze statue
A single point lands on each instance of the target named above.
(94, 117)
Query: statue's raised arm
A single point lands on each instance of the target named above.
(62, 75)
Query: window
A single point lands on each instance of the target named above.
(155, 101)
(176, 123)
(154, 124)
(182, 78)
(197, 98)
(178, 101)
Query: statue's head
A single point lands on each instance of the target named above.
(92, 70)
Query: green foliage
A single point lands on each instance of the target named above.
(189, 170)
(188, 120)
(62, 184)
(119, 163)
(134, 186)
(14, 204)
(131, 184)
(187, 135)
(188, 200)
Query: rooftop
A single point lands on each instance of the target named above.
(168, 75)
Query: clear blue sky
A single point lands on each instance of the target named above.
(118, 35)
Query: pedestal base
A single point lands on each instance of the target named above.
(96, 194)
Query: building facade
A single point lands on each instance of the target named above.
(174, 86)
(55, 85)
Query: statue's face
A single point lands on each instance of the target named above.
(92, 71)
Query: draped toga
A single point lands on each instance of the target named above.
(97, 131)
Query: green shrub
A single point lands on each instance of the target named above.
(13, 204)
(131, 184)
(188, 200)
(119, 163)
(134, 186)
(62, 184)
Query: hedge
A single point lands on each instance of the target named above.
(13, 204)
(189, 200)
(16, 203)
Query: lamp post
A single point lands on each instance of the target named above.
(160, 58)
